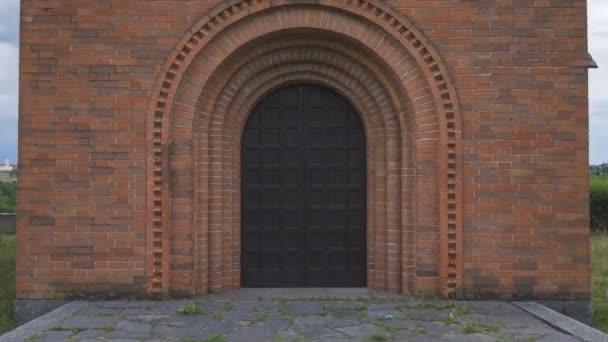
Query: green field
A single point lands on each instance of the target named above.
(7, 281)
(600, 281)
(599, 183)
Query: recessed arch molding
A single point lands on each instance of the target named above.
(363, 49)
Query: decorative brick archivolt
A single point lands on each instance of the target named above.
(377, 59)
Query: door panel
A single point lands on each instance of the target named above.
(303, 198)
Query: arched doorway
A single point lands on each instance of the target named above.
(241, 51)
(303, 191)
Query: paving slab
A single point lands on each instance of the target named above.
(84, 322)
(362, 330)
(267, 315)
(302, 308)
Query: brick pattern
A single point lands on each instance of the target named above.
(116, 202)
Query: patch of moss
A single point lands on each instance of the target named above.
(192, 309)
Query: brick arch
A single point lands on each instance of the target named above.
(265, 82)
(417, 76)
(260, 71)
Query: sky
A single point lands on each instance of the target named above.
(9, 77)
(598, 81)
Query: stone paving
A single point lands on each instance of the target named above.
(300, 315)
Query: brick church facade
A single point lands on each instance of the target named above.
(197, 146)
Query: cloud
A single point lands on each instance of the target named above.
(9, 80)
(9, 21)
(8, 140)
(598, 136)
(598, 81)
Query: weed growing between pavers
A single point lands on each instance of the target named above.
(463, 310)
(361, 309)
(476, 328)
(58, 327)
(305, 336)
(73, 331)
(192, 309)
(228, 306)
(282, 310)
(216, 338)
(420, 331)
(456, 312)
(391, 329)
(329, 310)
(33, 338)
(107, 328)
(262, 318)
(451, 320)
(217, 316)
(377, 338)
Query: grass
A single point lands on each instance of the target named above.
(600, 280)
(377, 338)
(599, 183)
(7, 282)
(477, 328)
(192, 309)
(598, 189)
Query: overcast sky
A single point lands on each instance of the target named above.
(9, 75)
(598, 80)
(9, 57)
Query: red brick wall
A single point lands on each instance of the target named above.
(91, 71)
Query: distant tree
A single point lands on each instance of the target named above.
(599, 170)
(13, 173)
(8, 197)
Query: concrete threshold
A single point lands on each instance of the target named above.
(576, 329)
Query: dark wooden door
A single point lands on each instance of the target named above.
(303, 191)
